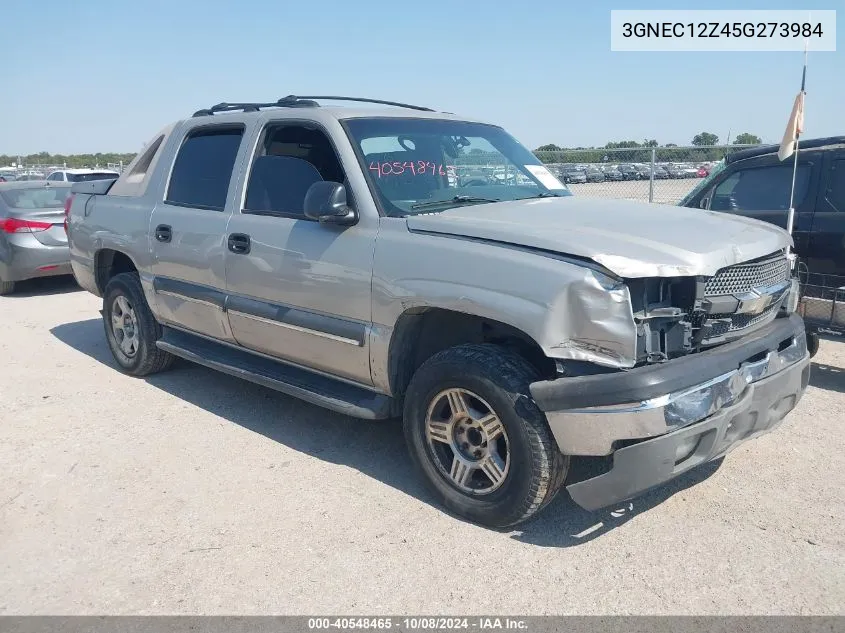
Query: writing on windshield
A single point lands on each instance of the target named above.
(413, 167)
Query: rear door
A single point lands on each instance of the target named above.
(761, 190)
(826, 253)
(187, 231)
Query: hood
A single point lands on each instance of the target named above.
(632, 239)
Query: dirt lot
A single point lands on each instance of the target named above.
(665, 191)
(193, 492)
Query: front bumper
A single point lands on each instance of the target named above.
(688, 411)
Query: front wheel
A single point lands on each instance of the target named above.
(477, 436)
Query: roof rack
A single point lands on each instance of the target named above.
(294, 101)
(810, 143)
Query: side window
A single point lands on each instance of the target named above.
(54, 176)
(203, 168)
(289, 159)
(139, 171)
(835, 193)
(761, 189)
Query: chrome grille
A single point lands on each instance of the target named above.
(741, 321)
(743, 278)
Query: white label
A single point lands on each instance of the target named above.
(546, 178)
(723, 30)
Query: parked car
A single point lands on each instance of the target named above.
(32, 236)
(612, 173)
(676, 171)
(660, 173)
(643, 171)
(594, 175)
(28, 176)
(276, 244)
(81, 175)
(573, 175)
(702, 172)
(629, 172)
(753, 183)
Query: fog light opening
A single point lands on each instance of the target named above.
(686, 448)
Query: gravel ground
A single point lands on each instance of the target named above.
(665, 191)
(194, 492)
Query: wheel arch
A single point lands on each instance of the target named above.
(421, 332)
(109, 262)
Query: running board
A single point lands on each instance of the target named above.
(300, 383)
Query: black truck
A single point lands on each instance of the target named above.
(755, 183)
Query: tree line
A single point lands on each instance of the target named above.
(640, 152)
(636, 152)
(69, 160)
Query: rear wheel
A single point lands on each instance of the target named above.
(479, 439)
(131, 328)
(7, 287)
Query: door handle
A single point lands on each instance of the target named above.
(163, 233)
(239, 243)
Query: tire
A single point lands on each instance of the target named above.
(488, 377)
(7, 287)
(812, 342)
(133, 345)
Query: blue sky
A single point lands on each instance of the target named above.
(94, 76)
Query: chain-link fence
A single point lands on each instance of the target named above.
(656, 174)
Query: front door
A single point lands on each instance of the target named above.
(188, 233)
(299, 290)
(827, 239)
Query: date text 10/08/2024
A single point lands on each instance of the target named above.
(414, 168)
(422, 623)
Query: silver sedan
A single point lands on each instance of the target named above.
(33, 242)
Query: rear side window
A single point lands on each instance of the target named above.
(203, 168)
(41, 198)
(836, 187)
(761, 189)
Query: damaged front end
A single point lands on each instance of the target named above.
(625, 323)
(683, 315)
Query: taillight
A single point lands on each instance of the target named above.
(16, 225)
(68, 202)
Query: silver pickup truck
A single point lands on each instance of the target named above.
(389, 260)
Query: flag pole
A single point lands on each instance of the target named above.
(790, 218)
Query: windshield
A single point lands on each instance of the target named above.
(426, 165)
(40, 198)
(717, 169)
(97, 175)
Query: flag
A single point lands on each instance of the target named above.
(793, 129)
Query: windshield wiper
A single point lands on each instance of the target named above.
(456, 200)
(544, 194)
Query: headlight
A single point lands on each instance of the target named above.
(793, 296)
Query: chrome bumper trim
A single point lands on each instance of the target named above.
(594, 430)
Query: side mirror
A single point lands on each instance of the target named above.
(326, 202)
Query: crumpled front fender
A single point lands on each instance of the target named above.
(592, 320)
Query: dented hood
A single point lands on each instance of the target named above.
(632, 239)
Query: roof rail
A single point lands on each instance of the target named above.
(803, 144)
(295, 101)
